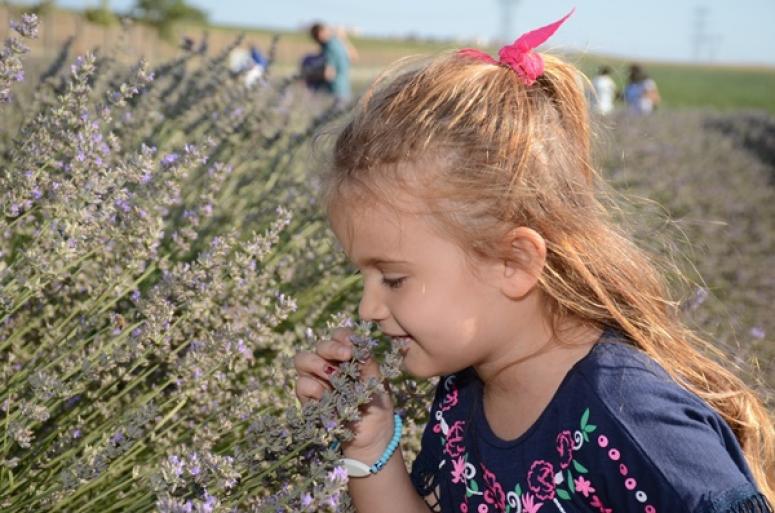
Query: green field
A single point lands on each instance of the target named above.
(681, 84)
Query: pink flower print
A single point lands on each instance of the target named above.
(494, 493)
(529, 505)
(583, 486)
(453, 448)
(458, 470)
(540, 479)
(482, 508)
(597, 503)
(450, 400)
(463, 507)
(565, 448)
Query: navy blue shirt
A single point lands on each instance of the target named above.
(619, 435)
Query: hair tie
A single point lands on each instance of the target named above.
(519, 55)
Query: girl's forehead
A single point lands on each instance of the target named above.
(377, 230)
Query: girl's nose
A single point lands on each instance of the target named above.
(371, 307)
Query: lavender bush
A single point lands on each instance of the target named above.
(162, 259)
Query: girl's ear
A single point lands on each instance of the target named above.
(521, 272)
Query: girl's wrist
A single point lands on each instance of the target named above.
(371, 459)
(371, 451)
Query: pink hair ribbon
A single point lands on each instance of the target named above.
(519, 55)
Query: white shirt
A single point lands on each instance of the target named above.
(603, 95)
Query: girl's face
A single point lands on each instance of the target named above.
(419, 284)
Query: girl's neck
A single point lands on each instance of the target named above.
(537, 363)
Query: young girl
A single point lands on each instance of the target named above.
(463, 191)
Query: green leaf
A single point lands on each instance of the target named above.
(571, 485)
(474, 486)
(589, 428)
(518, 490)
(581, 469)
(586, 437)
(584, 418)
(563, 494)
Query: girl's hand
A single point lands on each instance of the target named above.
(374, 430)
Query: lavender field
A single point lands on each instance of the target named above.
(162, 257)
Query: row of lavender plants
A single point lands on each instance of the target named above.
(161, 260)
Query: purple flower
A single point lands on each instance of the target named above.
(28, 27)
(209, 504)
(36, 193)
(758, 332)
(333, 501)
(170, 159)
(338, 474)
(176, 464)
(123, 205)
(306, 499)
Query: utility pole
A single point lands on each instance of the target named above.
(507, 20)
(705, 46)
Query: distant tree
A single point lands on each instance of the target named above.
(101, 15)
(42, 8)
(163, 14)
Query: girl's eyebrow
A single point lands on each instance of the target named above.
(375, 261)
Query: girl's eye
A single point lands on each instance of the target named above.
(394, 283)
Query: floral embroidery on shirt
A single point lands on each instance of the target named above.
(549, 481)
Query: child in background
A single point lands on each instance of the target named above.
(463, 191)
(603, 91)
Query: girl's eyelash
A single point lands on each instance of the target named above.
(393, 284)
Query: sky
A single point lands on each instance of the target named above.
(732, 31)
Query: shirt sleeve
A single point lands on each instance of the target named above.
(671, 449)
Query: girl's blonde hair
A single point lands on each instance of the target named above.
(494, 154)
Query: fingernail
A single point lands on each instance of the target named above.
(343, 352)
(329, 369)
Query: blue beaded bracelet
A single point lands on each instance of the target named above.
(357, 468)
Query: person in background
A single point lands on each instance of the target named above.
(603, 91)
(338, 52)
(641, 93)
(248, 64)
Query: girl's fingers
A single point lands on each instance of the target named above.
(310, 388)
(335, 350)
(312, 364)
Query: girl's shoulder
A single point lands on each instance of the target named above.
(667, 429)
